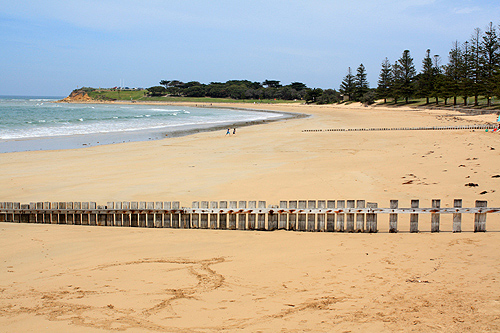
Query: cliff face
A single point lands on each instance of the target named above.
(77, 96)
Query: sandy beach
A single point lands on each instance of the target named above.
(81, 278)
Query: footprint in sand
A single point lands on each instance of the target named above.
(89, 302)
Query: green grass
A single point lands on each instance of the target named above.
(482, 103)
(213, 100)
(125, 95)
(132, 95)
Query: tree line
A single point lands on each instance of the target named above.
(473, 70)
(245, 89)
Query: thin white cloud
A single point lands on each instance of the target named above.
(411, 3)
(466, 10)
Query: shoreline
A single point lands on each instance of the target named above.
(300, 164)
(98, 139)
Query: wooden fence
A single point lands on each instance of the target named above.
(429, 128)
(301, 215)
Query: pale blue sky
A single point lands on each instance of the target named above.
(50, 47)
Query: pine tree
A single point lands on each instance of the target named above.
(489, 61)
(437, 79)
(384, 80)
(347, 87)
(475, 64)
(404, 74)
(443, 83)
(426, 78)
(466, 73)
(361, 84)
(453, 71)
(394, 89)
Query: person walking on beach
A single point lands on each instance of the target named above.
(234, 131)
(228, 131)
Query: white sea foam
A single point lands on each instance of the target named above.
(164, 110)
(31, 119)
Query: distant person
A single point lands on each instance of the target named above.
(234, 131)
(498, 121)
(228, 131)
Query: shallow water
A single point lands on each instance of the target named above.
(35, 123)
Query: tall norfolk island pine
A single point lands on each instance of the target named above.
(361, 83)
(427, 78)
(404, 73)
(454, 71)
(355, 86)
(347, 87)
(489, 60)
(385, 80)
(475, 68)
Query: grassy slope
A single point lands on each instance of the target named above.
(421, 102)
(139, 96)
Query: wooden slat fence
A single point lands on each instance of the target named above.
(424, 128)
(301, 215)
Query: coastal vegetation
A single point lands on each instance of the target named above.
(245, 90)
(142, 95)
(269, 91)
(471, 78)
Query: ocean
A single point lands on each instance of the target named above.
(36, 123)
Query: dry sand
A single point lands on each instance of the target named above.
(80, 278)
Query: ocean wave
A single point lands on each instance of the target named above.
(23, 119)
(164, 110)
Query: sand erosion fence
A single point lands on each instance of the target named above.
(298, 215)
(423, 128)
